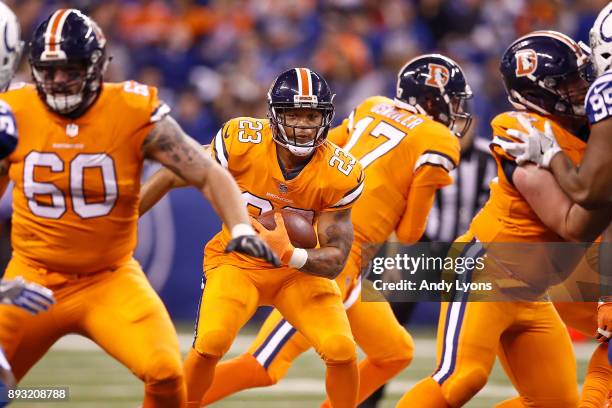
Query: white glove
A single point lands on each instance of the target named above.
(29, 296)
(537, 147)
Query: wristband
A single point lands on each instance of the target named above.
(242, 229)
(298, 258)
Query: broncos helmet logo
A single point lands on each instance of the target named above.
(526, 62)
(438, 75)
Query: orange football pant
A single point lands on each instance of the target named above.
(582, 316)
(311, 304)
(529, 338)
(117, 309)
(387, 345)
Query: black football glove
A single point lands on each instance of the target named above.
(252, 245)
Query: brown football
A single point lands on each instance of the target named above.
(300, 231)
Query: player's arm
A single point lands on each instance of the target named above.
(157, 186)
(421, 196)
(169, 145)
(335, 235)
(555, 209)
(590, 184)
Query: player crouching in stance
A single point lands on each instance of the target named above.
(544, 77)
(283, 162)
(76, 171)
(416, 132)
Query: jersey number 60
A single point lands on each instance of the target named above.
(78, 164)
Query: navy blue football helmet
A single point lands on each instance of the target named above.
(299, 88)
(547, 72)
(436, 86)
(68, 60)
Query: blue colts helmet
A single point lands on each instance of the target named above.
(299, 88)
(435, 85)
(546, 72)
(71, 42)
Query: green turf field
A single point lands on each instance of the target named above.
(96, 380)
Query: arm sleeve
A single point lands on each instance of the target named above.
(412, 224)
(421, 195)
(219, 146)
(351, 196)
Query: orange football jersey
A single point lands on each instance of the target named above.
(507, 217)
(77, 182)
(332, 180)
(393, 145)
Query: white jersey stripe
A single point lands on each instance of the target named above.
(299, 78)
(351, 197)
(353, 295)
(219, 149)
(436, 160)
(274, 342)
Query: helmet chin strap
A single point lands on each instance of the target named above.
(300, 151)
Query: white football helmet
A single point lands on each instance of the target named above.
(600, 39)
(11, 46)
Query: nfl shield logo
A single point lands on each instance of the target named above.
(72, 129)
(282, 188)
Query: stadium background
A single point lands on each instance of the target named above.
(213, 60)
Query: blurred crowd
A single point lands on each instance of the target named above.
(214, 59)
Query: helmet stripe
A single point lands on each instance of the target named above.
(57, 25)
(304, 81)
(580, 54)
(50, 25)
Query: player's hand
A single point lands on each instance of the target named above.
(537, 146)
(604, 320)
(29, 296)
(278, 239)
(249, 243)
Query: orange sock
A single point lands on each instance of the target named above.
(425, 394)
(199, 373)
(597, 381)
(235, 375)
(342, 384)
(372, 376)
(511, 403)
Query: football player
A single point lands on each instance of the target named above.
(418, 131)
(544, 76)
(588, 183)
(284, 161)
(76, 170)
(31, 297)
